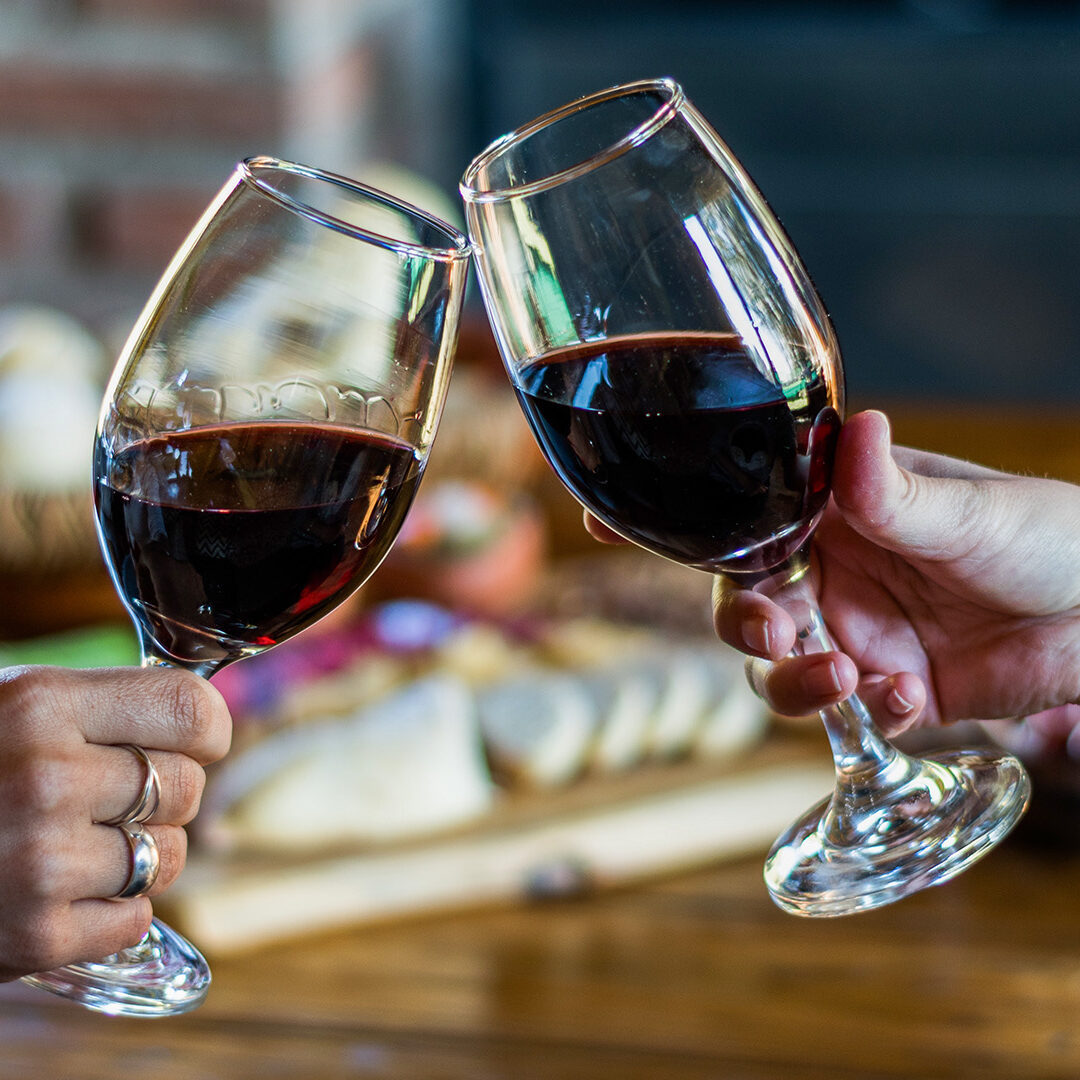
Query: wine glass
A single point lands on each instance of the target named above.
(681, 376)
(260, 441)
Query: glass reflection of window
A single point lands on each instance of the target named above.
(807, 332)
(777, 346)
(760, 343)
(421, 275)
(591, 379)
(549, 303)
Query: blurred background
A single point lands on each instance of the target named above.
(924, 154)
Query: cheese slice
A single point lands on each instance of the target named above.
(537, 727)
(737, 719)
(688, 690)
(626, 699)
(408, 765)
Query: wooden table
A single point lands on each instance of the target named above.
(691, 978)
(698, 977)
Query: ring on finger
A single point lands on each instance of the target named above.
(145, 860)
(146, 802)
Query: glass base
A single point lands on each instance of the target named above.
(862, 849)
(161, 976)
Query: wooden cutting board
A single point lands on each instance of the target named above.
(595, 834)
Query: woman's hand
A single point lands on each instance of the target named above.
(952, 590)
(63, 769)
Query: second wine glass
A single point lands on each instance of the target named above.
(260, 442)
(680, 374)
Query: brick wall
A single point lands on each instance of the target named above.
(119, 119)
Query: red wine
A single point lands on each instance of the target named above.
(225, 540)
(681, 444)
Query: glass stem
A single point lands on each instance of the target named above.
(856, 743)
(868, 767)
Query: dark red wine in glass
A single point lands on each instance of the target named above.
(679, 443)
(224, 540)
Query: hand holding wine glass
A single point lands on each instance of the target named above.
(66, 763)
(966, 629)
(260, 442)
(682, 378)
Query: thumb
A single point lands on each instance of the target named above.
(929, 509)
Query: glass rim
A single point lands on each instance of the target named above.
(671, 90)
(457, 248)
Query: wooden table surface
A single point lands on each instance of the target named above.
(694, 977)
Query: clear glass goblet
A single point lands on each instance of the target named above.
(260, 442)
(682, 377)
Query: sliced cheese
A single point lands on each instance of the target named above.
(410, 765)
(688, 690)
(626, 700)
(738, 719)
(537, 727)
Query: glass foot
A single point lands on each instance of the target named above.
(861, 849)
(161, 976)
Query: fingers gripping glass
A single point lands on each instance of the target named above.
(260, 442)
(682, 378)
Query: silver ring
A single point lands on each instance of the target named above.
(146, 802)
(145, 860)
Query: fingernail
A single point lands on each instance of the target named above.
(755, 634)
(822, 680)
(897, 703)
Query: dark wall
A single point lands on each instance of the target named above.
(925, 158)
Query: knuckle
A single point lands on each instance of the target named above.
(187, 711)
(38, 868)
(188, 787)
(28, 698)
(198, 716)
(131, 921)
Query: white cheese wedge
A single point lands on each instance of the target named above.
(537, 727)
(626, 700)
(51, 374)
(688, 690)
(482, 654)
(411, 764)
(737, 719)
